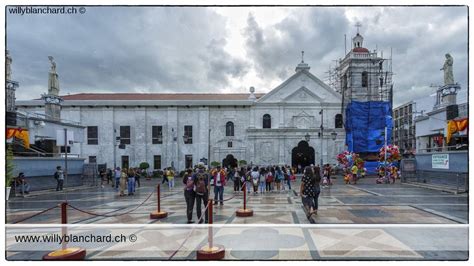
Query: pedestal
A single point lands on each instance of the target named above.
(217, 252)
(158, 215)
(244, 213)
(72, 253)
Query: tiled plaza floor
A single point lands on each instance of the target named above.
(363, 221)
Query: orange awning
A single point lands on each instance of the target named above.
(19, 133)
(455, 126)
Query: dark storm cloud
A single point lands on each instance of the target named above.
(122, 50)
(276, 50)
(177, 49)
(418, 36)
(221, 65)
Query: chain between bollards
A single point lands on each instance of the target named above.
(65, 253)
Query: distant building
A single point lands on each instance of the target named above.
(431, 125)
(404, 127)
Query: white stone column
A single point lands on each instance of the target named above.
(171, 131)
(252, 117)
(140, 138)
(281, 117)
(203, 134)
(281, 150)
(106, 137)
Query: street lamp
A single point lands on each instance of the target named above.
(322, 135)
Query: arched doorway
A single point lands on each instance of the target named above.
(303, 155)
(229, 161)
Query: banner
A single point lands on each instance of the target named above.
(440, 161)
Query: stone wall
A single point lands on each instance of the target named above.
(39, 171)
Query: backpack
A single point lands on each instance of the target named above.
(56, 175)
(269, 177)
(200, 183)
(255, 182)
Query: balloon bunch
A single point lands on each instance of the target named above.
(344, 158)
(347, 159)
(393, 153)
(358, 161)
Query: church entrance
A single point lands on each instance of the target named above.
(303, 155)
(229, 161)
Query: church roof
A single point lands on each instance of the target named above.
(157, 96)
(360, 50)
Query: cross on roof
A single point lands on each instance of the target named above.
(358, 25)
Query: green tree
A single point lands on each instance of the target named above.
(215, 164)
(144, 165)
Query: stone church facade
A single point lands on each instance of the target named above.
(280, 127)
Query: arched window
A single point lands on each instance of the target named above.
(338, 121)
(365, 79)
(267, 121)
(229, 129)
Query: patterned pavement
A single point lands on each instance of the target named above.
(356, 222)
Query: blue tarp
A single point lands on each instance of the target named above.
(365, 125)
(371, 167)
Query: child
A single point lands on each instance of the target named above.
(354, 171)
(347, 177)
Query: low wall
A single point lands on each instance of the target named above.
(39, 171)
(458, 162)
(427, 170)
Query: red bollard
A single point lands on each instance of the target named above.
(158, 214)
(244, 212)
(211, 251)
(65, 253)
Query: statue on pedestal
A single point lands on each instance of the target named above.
(448, 70)
(53, 80)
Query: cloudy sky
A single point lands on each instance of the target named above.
(229, 49)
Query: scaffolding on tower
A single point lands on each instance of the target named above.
(364, 80)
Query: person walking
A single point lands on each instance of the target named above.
(317, 189)
(109, 176)
(286, 174)
(103, 177)
(219, 183)
(131, 181)
(278, 178)
(59, 176)
(255, 176)
(261, 180)
(201, 182)
(268, 180)
(170, 177)
(189, 194)
(307, 190)
(248, 180)
(123, 181)
(236, 179)
(165, 178)
(138, 175)
(117, 176)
